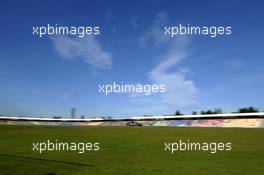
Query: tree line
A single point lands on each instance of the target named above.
(249, 109)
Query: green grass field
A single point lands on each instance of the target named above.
(130, 150)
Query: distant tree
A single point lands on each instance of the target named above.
(252, 109)
(207, 112)
(218, 111)
(215, 111)
(148, 115)
(73, 111)
(247, 110)
(178, 113)
(194, 113)
(82, 117)
(56, 117)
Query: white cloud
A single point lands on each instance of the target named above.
(133, 22)
(181, 91)
(87, 48)
(154, 34)
(69, 93)
(233, 64)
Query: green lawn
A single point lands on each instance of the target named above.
(130, 150)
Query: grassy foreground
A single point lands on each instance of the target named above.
(130, 150)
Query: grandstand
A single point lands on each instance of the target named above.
(244, 120)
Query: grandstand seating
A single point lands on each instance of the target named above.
(245, 123)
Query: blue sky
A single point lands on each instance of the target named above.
(38, 79)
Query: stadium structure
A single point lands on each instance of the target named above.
(243, 120)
